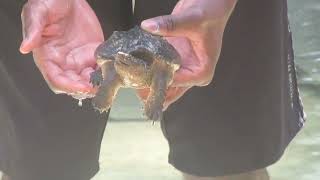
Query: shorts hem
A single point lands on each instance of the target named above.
(79, 174)
(213, 172)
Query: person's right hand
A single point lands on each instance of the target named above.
(172, 95)
(63, 35)
(195, 28)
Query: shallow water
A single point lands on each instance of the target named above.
(135, 149)
(304, 16)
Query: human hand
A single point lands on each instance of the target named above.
(63, 35)
(172, 95)
(195, 28)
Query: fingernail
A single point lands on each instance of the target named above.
(151, 26)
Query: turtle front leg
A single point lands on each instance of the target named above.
(108, 88)
(161, 78)
(96, 77)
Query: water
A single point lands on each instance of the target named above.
(135, 149)
(304, 16)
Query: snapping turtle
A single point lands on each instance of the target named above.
(134, 59)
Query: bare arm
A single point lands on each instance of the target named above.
(198, 27)
(195, 28)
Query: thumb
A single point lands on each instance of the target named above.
(33, 17)
(182, 24)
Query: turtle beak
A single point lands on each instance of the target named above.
(100, 62)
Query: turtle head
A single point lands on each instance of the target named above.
(102, 54)
(136, 65)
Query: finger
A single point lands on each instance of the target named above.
(143, 93)
(174, 95)
(69, 86)
(86, 73)
(184, 77)
(52, 30)
(183, 24)
(169, 100)
(65, 82)
(195, 76)
(172, 92)
(33, 16)
(82, 57)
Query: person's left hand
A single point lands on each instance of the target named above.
(195, 28)
(63, 35)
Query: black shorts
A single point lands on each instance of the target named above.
(44, 136)
(245, 119)
(241, 122)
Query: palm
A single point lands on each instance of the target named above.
(192, 44)
(190, 59)
(64, 54)
(197, 37)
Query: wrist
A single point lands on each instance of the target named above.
(208, 13)
(220, 10)
(51, 3)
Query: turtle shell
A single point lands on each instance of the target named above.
(139, 43)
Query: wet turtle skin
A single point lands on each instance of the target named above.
(134, 59)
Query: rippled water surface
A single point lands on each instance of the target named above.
(305, 21)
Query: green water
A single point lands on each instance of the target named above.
(135, 149)
(305, 22)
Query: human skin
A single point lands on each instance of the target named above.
(62, 35)
(65, 58)
(195, 28)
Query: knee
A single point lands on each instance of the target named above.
(5, 177)
(261, 174)
(192, 177)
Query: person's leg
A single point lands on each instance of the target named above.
(261, 174)
(5, 177)
(46, 136)
(238, 123)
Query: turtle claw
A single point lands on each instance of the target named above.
(101, 105)
(153, 112)
(96, 78)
